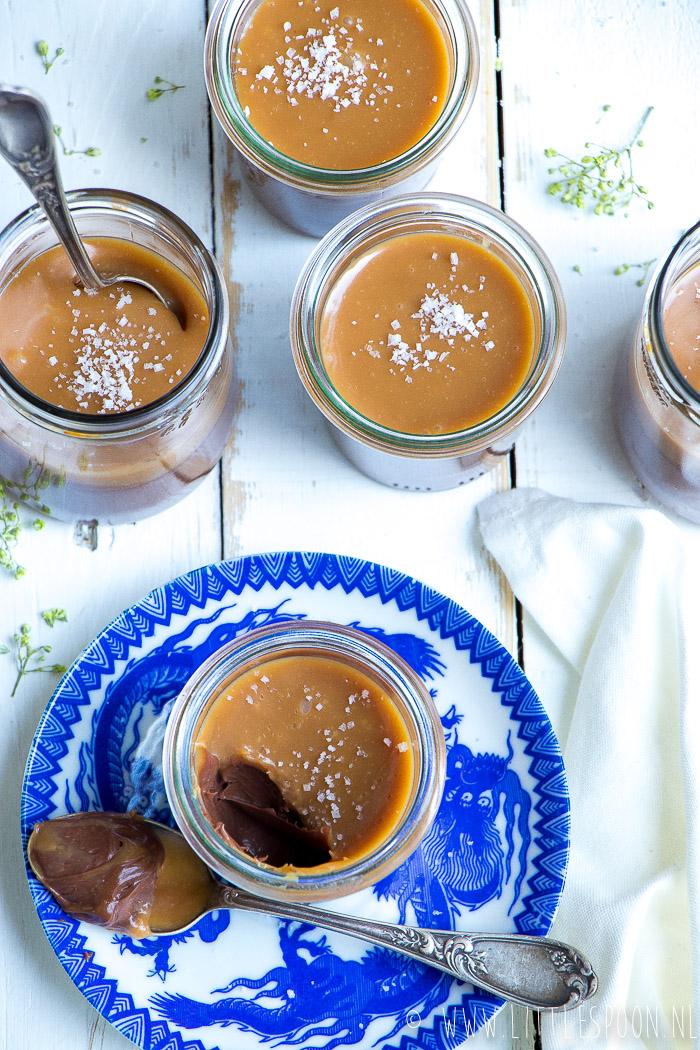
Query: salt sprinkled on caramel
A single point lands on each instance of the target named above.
(106, 358)
(438, 315)
(322, 63)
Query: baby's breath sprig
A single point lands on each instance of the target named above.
(30, 658)
(643, 266)
(605, 176)
(91, 151)
(10, 528)
(155, 93)
(42, 50)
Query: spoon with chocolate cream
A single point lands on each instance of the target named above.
(27, 144)
(139, 877)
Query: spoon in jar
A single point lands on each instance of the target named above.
(27, 144)
(535, 972)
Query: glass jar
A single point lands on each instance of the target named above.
(426, 462)
(375, 661)
(312, 199)
(657, 410)
(122, 466)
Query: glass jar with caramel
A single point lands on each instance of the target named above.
(110, 407)
(336, 105)
(658, 400)
(427, 330)
(304, 761)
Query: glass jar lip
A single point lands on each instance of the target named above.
(429, 210)
(271, 641)
(96, 200)
(683, 394)
(229, 15)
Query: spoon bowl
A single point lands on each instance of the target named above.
(27, 144)
(536, 972)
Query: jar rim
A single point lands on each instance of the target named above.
(427, 211)
(130, 206)
(228, 18)
(270, 642)
(665, 276)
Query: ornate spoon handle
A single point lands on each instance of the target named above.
(27, 143)
(532, 971)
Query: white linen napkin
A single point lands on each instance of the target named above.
(617, 592)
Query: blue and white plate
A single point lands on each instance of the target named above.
(495, 858)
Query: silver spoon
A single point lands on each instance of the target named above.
(27, 144)
(537, 972)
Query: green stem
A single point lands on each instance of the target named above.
(638, 132)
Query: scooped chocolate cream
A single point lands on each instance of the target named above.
(245, 806)
(101, 867)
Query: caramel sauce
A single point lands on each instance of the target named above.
(427, 333)
(99, 352)
(332, 741)
(342, 85)
(682, 325)
(184, 885)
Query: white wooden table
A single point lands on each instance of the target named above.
(282, 485)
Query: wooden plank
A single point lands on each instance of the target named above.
(285, 486)
(561, 66)
(96, 92)
(642, 57)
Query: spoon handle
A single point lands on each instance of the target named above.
(536, 972)
(27, 144)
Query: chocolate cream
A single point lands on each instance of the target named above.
(101, 867)
(119, 871)
(245, 806)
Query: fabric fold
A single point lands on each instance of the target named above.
(607, 585)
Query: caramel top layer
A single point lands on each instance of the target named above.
(342, 85)
(332, 741)
(682, 325)
(99, 352)
(427, 333)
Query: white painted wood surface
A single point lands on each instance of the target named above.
(282, 485)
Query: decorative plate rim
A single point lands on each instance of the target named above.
(295, 569)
